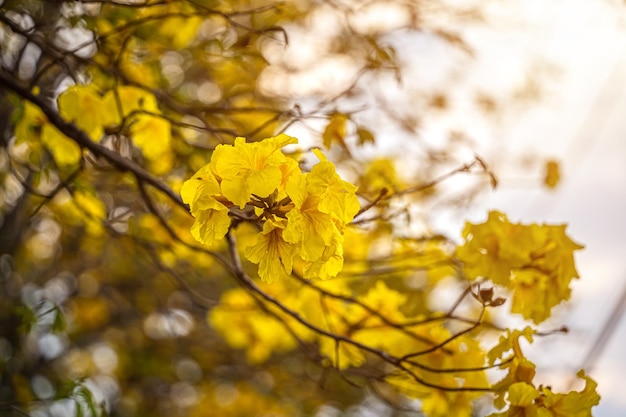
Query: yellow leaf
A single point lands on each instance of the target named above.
(552, 174)
(365, 136)
(335, 131)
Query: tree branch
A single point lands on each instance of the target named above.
(80, 137)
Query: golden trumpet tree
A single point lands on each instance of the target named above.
(168, 246)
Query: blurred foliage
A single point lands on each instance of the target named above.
(114, 300)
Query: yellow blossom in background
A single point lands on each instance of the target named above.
(92, 209)
(371, 329)
(66, 152)
(383, 300)
(152, 135)
(82, 105)
(137, 110)
(536, 262)
(380, 174)
(463, 352)
(521, 397)
(492, 249)
(29, 123)
(34, 128)
(82, 207)
(245, 326)
(531, 297)
(122, 101)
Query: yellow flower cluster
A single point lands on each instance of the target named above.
(518, 391)
(526, 400)
(535, 261)
(302, 215)
(128, 110)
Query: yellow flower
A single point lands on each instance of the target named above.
(82, 105)
(521, 397)
(323, 204)
(243, 325)
(211, 216)
(273, 255)
(150, 133)
(380, 174)
(492, 249)
(250, 168)
(337, 197)
(574, 403)
(303, 215)
(527, 401)
(535, 262)
(307, 227)
(65, 151)
(329, 264)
